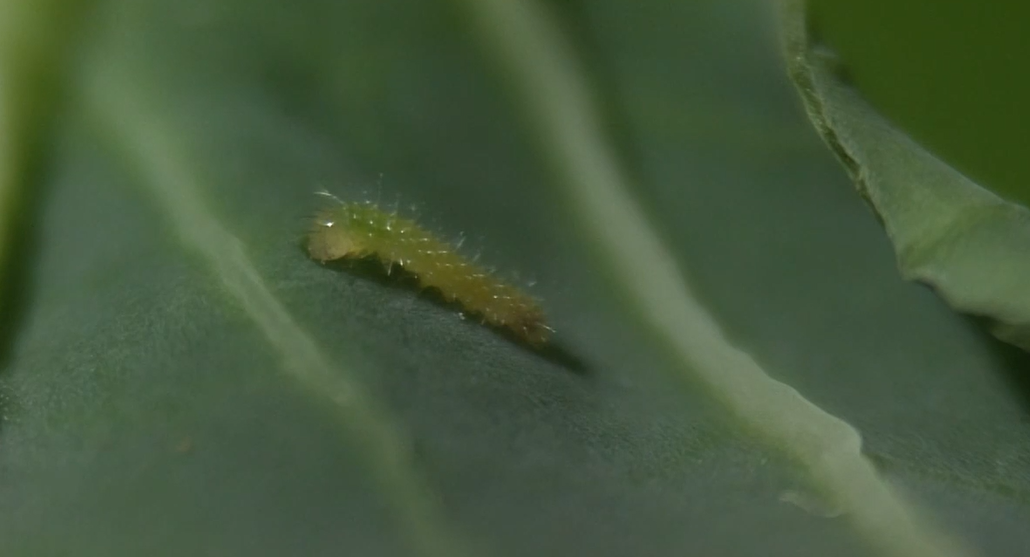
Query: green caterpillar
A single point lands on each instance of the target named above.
(357, 230)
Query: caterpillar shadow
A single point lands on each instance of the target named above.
(371, 269)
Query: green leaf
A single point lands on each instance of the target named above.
(970, 245)
(184, 380)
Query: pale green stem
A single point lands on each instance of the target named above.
(553, 91)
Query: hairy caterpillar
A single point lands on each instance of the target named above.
(356, 230)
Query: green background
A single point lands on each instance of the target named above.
(145, 411)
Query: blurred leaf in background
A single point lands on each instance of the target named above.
(184, 380)
(970, 242)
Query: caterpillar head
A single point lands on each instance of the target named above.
(329, 240)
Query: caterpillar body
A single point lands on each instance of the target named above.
(358, 230)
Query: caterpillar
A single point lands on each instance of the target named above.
(350, 230)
